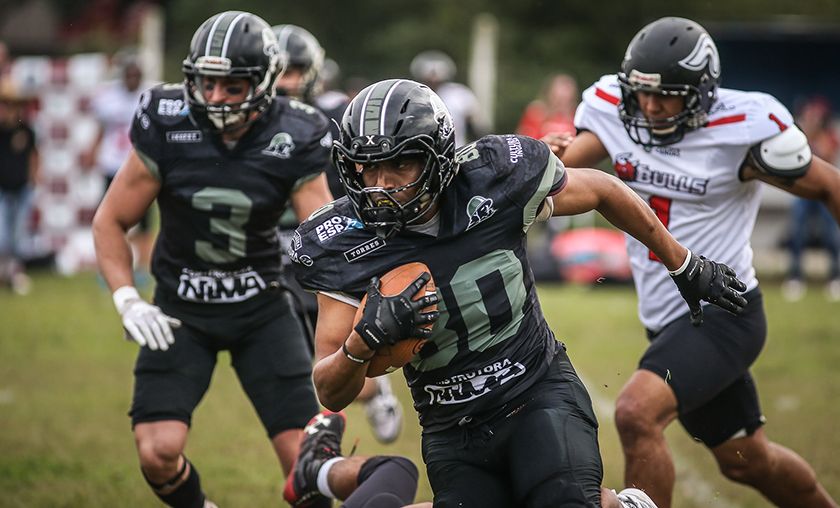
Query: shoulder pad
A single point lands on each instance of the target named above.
(785, 155)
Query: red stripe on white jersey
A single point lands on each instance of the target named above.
(727, 119)
(612, 99)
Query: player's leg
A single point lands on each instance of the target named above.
(644, 408)
(779, 473)
(684, 368)
(322, 472)
(731, 427)
(274, 366)
(168, 386)
(552, 443)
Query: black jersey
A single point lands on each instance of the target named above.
(219, 206)
(491, 341)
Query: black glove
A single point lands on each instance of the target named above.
(713, 282)
(389, 319)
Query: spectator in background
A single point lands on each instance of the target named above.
(815, 120)
(113, 107)
(435, 69)
(554, 111)
(19, 164)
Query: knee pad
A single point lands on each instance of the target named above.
(374, 463)
(384, 500)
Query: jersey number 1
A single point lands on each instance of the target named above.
(662, 207)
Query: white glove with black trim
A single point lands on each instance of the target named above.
(145, 323)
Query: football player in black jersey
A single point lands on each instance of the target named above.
(301, 81)
(506, 421)
(222, 157)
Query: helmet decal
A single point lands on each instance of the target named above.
(704, 54)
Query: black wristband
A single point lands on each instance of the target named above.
(353, 358)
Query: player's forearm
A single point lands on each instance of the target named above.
(338, 380)
(113, 253)
(628, 212)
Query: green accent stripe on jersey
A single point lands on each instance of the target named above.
(217, 34)
(150, 164)
(553, 171)
(373, 108)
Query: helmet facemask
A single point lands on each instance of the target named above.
(226, 117)
(378, 207)
(661, 132)
(232, 44)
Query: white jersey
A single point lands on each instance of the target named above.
(693, 186)
(114, 106)
(463, 106)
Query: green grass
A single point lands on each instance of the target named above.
(65, 387)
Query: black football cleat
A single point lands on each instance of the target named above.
(321, 442)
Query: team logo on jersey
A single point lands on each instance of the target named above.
(704, 54)
(471, 385)
(631, 170)
(281, 146)
(170, 107)
(625, 168)
(294, 255)
(217, 286)
(479, 209)
(334, 226)
(183, 137)
(364, 249)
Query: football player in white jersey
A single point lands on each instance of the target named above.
(697, 154)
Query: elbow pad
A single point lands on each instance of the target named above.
(785, 155)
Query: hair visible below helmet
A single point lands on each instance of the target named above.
(232, 44)
(302, 50)
(675, 57)
(390, 120)
(432, 66)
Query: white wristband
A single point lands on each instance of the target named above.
(124, 294)
(682, 268)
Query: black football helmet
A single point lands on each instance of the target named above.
(389, 120)
(671, 56)
(302, 50)
(238, 45)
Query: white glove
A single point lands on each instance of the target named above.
(144, 322)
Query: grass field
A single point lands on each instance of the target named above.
(65, 386)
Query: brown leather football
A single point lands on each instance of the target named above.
(391, 358)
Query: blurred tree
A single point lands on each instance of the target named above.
(376, 39)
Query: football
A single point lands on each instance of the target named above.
(391, 358)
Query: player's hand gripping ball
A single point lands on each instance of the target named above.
(396, 315)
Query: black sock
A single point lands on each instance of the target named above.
(186, 495)
(384, 482)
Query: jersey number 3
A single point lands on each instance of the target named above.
(232, 227)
